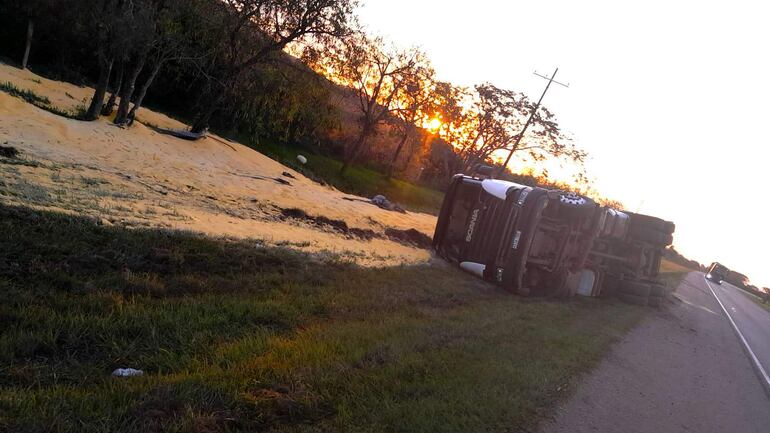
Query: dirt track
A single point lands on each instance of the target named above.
(681, 370)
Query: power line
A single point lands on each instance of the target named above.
(531, 117)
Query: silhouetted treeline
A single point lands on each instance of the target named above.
(672, 255)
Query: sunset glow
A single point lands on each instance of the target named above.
(434, 124)
(658, 144)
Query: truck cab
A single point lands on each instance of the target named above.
(522, 238)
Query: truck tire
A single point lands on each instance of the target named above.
(658, 290)
(633, 299)
(670, 227)
(576, 206)
(648, 234)
(655, 223)
(557, 281)
(609, 287)
(634, 288)
(655, 301)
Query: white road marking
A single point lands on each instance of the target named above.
(754, 360)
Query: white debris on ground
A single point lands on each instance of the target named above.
(137, 177)
(127, 372)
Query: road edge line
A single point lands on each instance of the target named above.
(755, 364)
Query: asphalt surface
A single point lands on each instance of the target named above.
(683, 369)
(751, 319)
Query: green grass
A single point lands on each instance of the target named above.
(26, 95)
(672, 274)
(236, 337)
(755, 299)
(357, 179)
(41, 101)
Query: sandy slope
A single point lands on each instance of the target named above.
(138, 177)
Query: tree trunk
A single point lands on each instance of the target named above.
(30, 31)
(127, 91)
(109, 107)
(105, 68)
(359, 144)
(400, 146)
(291, 134)
(143, 92)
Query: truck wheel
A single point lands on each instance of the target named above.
(558, 283)
(655, 301)
(551, 285)
(658, 290)
(633, 299)
(669, 227)
(648, 234)
(576, 206)
(634, 288)
(609, 287)
(639, 220)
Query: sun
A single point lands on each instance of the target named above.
(434, 124)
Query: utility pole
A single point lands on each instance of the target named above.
(531, 117)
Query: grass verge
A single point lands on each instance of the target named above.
(41, 102)
(755, 299)
(235, 337)
(672, 274)
(357, 180)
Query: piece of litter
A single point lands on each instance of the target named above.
(302, 160)
(384, 203)
(127, 372)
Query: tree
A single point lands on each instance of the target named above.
(144, 32)
(28, 45)
(413, 106)
(493, 121)
(30, 10)
(376, 75)
(104, 18)
(286, 102)
(251, 31)
(170, 42)
(117, 84)
(449, 102)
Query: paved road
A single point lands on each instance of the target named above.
(752, 320)
(683, 369)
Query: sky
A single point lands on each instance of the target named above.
(669, 98)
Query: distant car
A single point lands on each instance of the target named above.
(717, 273)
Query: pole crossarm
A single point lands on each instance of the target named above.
(529, 120)
(551, 79)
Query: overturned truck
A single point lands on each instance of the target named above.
(535, 241)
